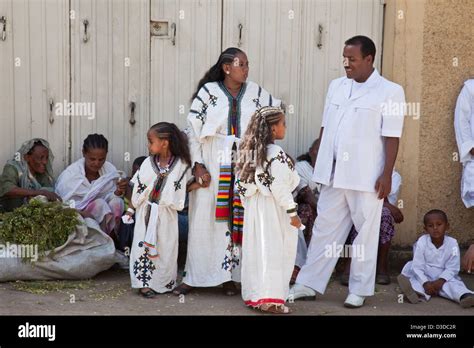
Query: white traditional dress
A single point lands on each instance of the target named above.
(216, 122)
(96, 197)
(269, 240)
(157, 196)
(464, 127)
(431, 263)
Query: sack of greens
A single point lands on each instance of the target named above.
(48, 240)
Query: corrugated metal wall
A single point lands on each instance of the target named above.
(111, 61)
(34, 72)
(110, 68)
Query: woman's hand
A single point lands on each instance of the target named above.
(200, 172)
(295, 221)
(51, 196)
(121, 187)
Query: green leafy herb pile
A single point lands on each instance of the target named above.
(47, 225)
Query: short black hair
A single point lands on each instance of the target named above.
(95, 141)
(367, 46)
(138, 161)
(435, 212)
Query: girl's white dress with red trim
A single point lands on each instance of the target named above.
(154, 254)
(269, 241)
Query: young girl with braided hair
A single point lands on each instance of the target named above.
(266, 179)
(159, 192)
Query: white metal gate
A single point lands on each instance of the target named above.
(137, 62)
(33, 75)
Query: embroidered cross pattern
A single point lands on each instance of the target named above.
(257, 100)
(240, 189)
(199, 115)
(204, 109)
(177, 185)
(141, 186)
(143, 268)
(235, 261)
(281, 157)
(265, 178)
(212, 98)
(227, 264)
(290, 163)
(257, 103)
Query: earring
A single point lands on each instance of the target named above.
(227, 72)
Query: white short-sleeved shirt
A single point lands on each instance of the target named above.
(358, 122)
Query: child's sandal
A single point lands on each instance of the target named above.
(274, 308)
(149, 293)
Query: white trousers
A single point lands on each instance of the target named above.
(338, 209)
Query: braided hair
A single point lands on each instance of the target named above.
(215, 73)
(253, 148)
(95, 141)
(178, 141)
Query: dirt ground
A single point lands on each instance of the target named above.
(109, 293)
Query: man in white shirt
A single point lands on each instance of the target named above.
(464, 128)
(362, 124)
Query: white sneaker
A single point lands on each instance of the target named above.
(354, 301)
(300, 291)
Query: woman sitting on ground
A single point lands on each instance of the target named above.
(93, 185)
(28, 174)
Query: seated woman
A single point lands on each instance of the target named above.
(28, 174)
(307, 194)
(93, 185)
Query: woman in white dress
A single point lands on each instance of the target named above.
(219, 115)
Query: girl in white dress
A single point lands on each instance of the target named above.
(159, 192)
(266, 179)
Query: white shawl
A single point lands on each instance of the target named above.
(73, 185)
